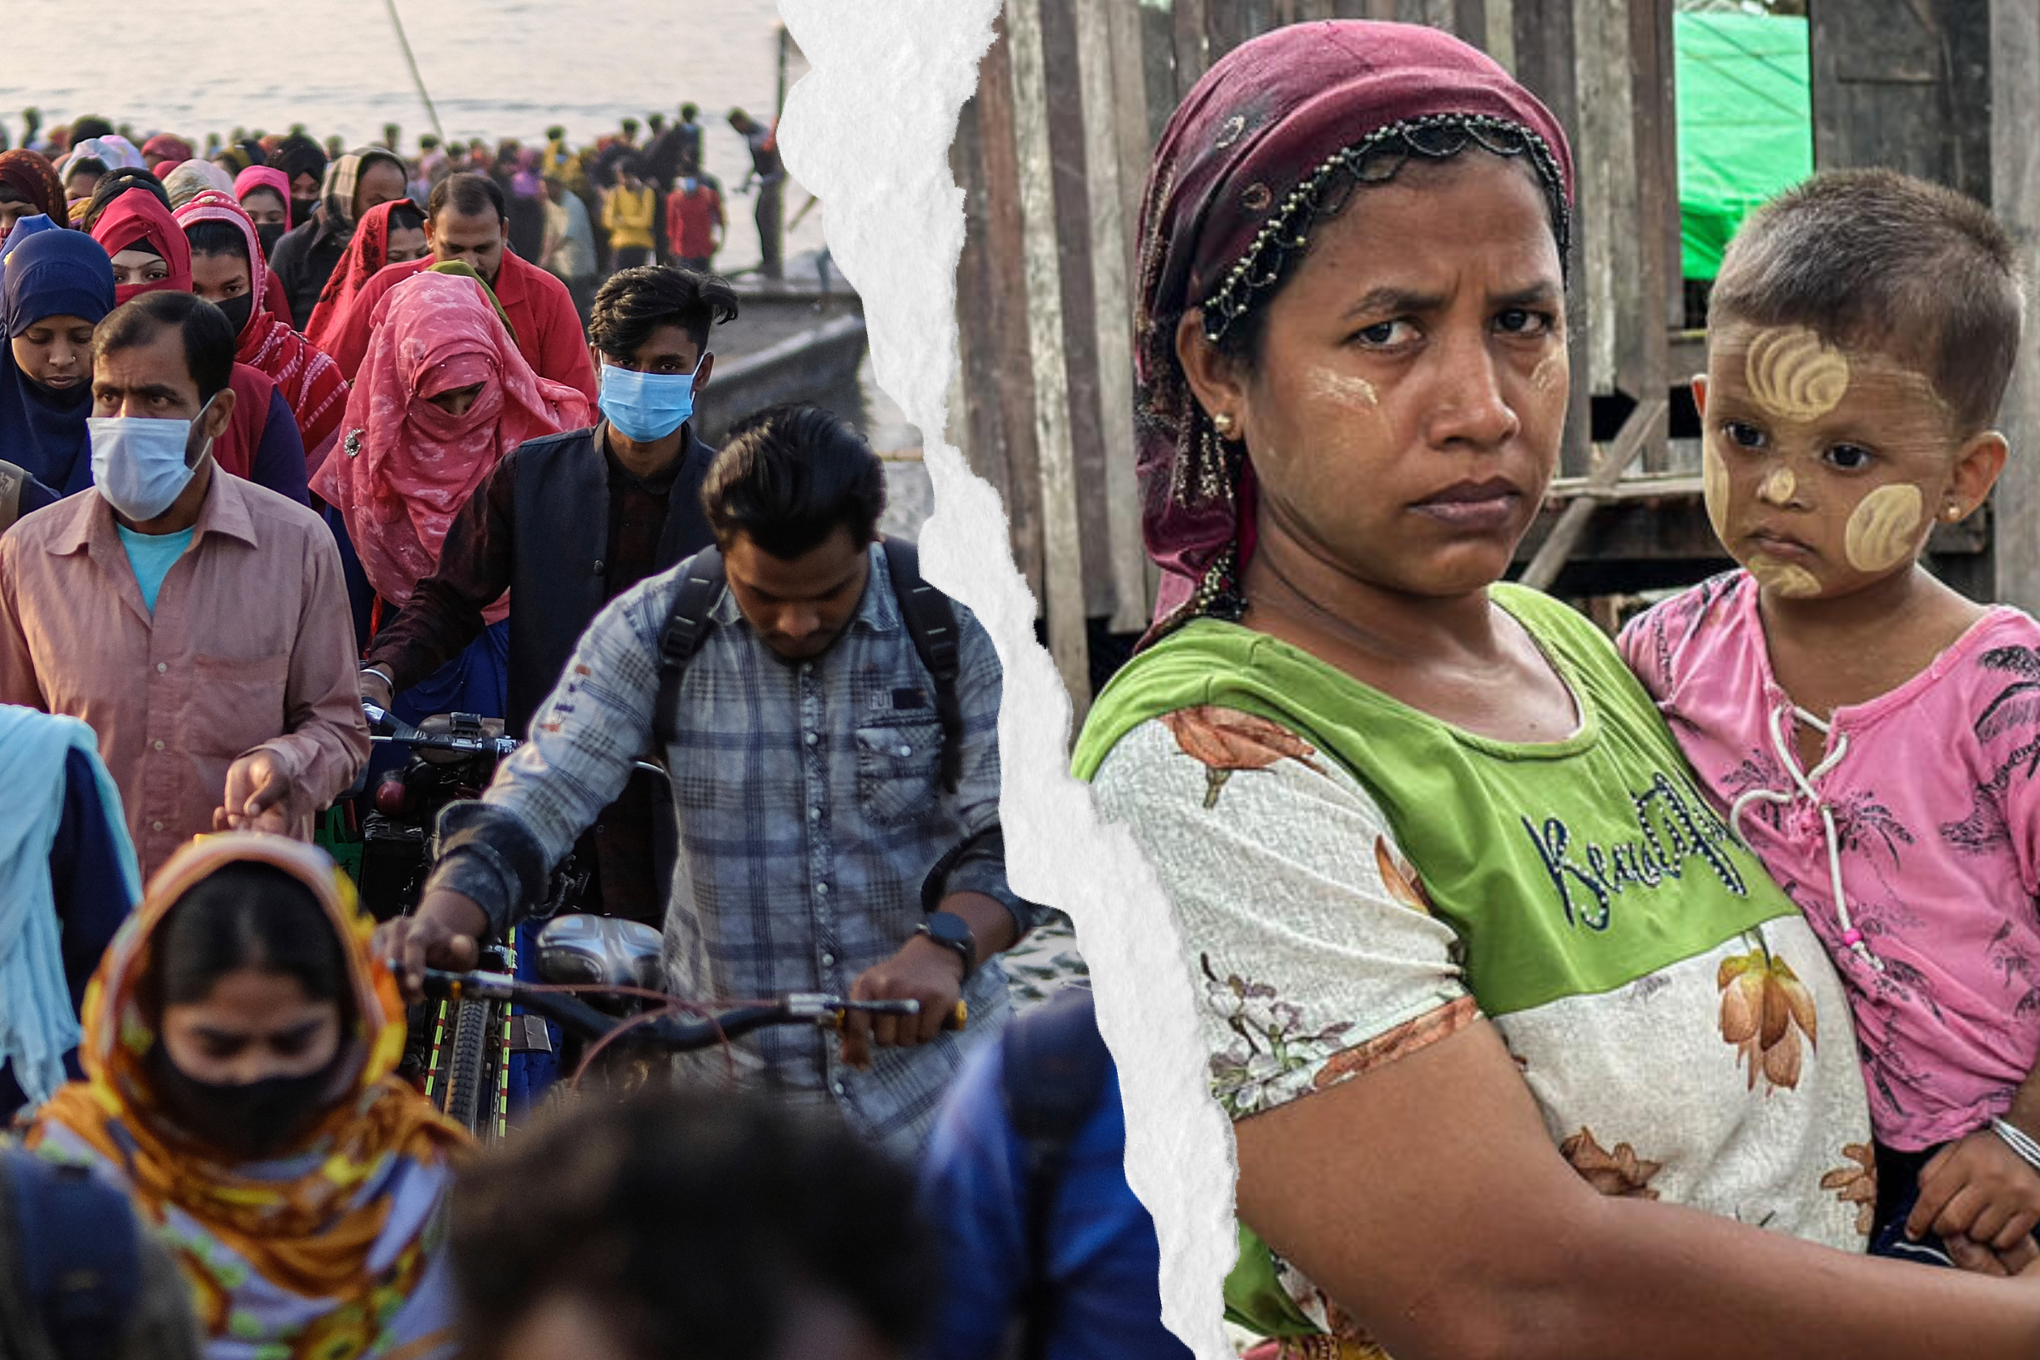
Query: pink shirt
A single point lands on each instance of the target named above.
(1937, 819)
(251, 645)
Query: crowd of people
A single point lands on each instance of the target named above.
(295, 439)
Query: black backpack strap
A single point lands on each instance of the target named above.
(931, 622)
(1055, 1064)
(701, 584)
(80, 1257)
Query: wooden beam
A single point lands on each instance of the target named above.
(1069, 172)
(1193, 42)
(996, 317)
(1551, 557)
(1062, 540)
(2015, 198)
(1643, 359)
(1544, 45)
(1100, 71)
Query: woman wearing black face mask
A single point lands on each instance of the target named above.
(239, 1049)
(229, 271)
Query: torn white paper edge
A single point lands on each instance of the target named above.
(868, 131)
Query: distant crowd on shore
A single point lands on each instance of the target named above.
(633, 196)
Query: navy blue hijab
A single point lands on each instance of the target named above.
(50, 273)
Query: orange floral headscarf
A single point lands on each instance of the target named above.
(311, 1235)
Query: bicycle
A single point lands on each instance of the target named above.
(593, 955)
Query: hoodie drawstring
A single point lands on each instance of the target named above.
(1804, 780)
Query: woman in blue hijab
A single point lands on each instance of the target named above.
(55, 287)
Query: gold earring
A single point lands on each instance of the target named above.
(1951, 512)
(1222, 421)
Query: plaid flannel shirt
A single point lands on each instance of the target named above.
(811, 816)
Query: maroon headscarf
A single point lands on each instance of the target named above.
(1273, 137)
(35, 179)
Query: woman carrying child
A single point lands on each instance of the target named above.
(1523, 1052)
(1869, 732)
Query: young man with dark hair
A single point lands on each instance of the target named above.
(568, 523)
(830, 726)
(466, 220)
(198, 622)
(309, 252)
(688, 1223)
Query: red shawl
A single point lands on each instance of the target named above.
(406, 467)
(308, 378)
(138, 218)
(366, 253)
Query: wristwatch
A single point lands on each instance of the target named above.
(951, 931)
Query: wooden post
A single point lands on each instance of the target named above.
(2015, 198)
(1607, 192)
(1193, 42)
(1069, 119)
(1002, 380)
(1062, 541)
(1100, 69)
(1647, 368)
(1544, 44)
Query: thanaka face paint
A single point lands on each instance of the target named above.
(1714, 488)
(1787, 579)
(1826, 503)
(1551, 371)
(1778, 486)
(1885, 528)
(1791, 373)
(1348, 388)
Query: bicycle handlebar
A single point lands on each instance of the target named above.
(403, 734)
(677, 1034)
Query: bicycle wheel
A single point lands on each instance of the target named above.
(470, 1094)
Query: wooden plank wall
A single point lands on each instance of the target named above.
(1052, 154)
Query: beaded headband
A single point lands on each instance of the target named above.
(1373, 159)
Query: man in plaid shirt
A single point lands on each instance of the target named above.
(819, 848)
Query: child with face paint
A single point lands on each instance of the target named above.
(1868, 731)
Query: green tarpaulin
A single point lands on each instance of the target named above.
(1745, 124)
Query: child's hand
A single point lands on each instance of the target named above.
(1977, 1188)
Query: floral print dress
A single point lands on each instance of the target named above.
(1355, 880)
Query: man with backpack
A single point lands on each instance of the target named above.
(830, 726)
(1047, 1253)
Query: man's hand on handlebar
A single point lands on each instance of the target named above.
(922, 971)
(375, 689)
(444, 932)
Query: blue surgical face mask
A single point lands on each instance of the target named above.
(139, 464)
(646, 407)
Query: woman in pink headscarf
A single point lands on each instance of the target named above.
(441, 396)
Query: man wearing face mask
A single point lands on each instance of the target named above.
(830, 725)
(569, 522)
(466, 220)
(196, 621)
